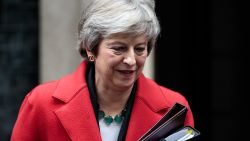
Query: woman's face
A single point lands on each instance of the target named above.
(120, 60)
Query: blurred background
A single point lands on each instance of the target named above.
(202, 52)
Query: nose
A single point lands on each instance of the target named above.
(129, 58)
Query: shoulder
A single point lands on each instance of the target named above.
(171, 96)
(160, 97)
(62, 89)
(42, 93)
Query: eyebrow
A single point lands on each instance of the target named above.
(121, 43)
(115, 42)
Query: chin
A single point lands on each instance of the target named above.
(125, 84)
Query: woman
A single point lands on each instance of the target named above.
(107, 97)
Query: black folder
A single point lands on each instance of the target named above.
(171, 127)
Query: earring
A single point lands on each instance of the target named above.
(91, 58)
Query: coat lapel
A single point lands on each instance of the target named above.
(76, 113)
(78, 118)
(149, 106)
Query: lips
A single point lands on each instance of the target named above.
(127, 73)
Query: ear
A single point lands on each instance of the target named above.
(89, 53)
(91, 56)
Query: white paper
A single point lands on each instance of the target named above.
(182, 135)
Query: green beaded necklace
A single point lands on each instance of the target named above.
(109, 119)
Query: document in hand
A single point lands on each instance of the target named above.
(171, 127)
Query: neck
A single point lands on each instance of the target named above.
(112, 102)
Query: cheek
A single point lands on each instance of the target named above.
(141, 61)
(107, 59)
(109, 65)
(114, 60)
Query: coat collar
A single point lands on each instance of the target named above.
(70, 85)
(77, 116)
(151, 94)
(149, 106)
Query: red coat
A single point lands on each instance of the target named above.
(62, 111)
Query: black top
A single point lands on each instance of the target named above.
(90, 78)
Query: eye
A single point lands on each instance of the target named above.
(140, 49)
(119, 49)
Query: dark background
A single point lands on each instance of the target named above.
(201, 53)
(18, 58)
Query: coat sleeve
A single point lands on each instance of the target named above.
(173, 97)
(189, 117)
(25, 128)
